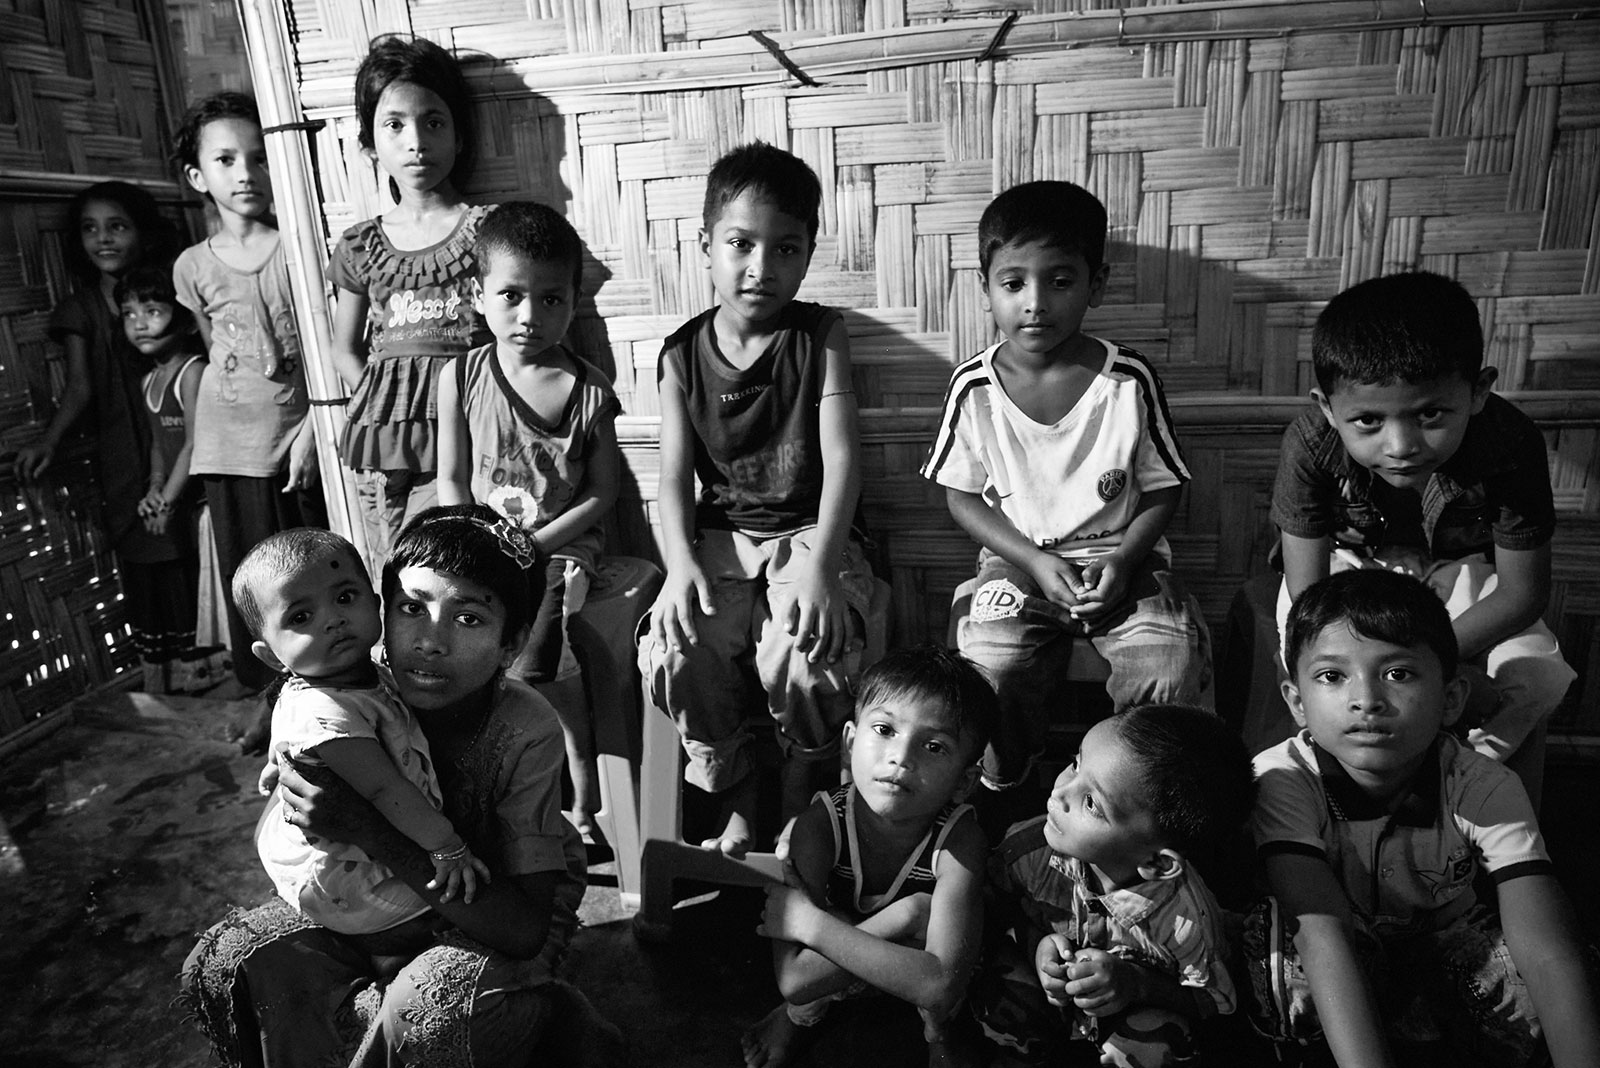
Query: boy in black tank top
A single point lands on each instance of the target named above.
(766, 592)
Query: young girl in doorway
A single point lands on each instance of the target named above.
(271, 990)
(253, 445)
(405, 279)
(113, 227)
(162, 330)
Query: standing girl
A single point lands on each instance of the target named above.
(114, 226)
(253, 446)
(163, 595)
(405, 279)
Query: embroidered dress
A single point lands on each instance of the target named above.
(419, 315)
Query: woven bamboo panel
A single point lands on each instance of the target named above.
(1248, 178)
(80, 95)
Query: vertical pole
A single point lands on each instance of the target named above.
(300, 222)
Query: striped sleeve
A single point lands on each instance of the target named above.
(953, 460)
(1160, 460)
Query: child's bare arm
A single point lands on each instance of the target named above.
(1058, 580)
(363, 763)
(597, 495)
(1308, 890)
(455, 443)
(685, 590)
(932, 978)
(1544, 938)
(349, 336)
(1305, 561)
(817, 616)
(804, 974)
(1520, 597)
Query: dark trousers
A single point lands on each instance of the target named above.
(245, 510)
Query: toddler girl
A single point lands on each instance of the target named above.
(115, 226)
(162, 595)
(253, 445)
(405, 279)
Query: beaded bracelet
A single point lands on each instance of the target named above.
(444, 856)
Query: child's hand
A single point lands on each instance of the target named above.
(1101, 984)
(789, 908)
(1050, 960)
(1105, 580)
(1058, 580)
(455, 869)
(816, 617)
(267, 781)
(156, 523)
(32, 461)
(685, 590)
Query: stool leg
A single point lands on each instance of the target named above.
(619, 821)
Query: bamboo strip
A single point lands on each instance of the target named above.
(741, 61)
(266, 40)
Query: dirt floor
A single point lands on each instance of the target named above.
(128, 831)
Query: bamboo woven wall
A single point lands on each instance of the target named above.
(81, 98)
(1248, 178)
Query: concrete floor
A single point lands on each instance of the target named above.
(131, 829)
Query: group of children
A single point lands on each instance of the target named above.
(1427, 494)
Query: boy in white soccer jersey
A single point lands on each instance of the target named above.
(1057, 455)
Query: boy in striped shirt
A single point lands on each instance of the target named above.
(1058, 456)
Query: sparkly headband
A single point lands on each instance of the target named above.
(514, 541)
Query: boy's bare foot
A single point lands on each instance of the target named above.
(738, 834)
(772, 1042)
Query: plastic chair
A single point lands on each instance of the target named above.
(620, 593)
(666, 857)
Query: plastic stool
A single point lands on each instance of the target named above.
(620, 593)
(666, 857)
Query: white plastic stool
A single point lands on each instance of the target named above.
(666, 857)
(620, 593)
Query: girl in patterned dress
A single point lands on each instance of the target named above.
(405, 279)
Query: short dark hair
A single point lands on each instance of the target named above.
(1407, 327)
(397, 58)
(214, 108)
(459, 540)
(277, 556)
(931, 672)
(1060, 214)
(158, 236)
(152, 282)
(1194, 773)
(1375, 603)
(770, 174)
(533, 231)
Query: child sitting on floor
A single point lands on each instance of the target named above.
(1110, 934)
(306, 596)
(1372, 827)
(884, 876)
